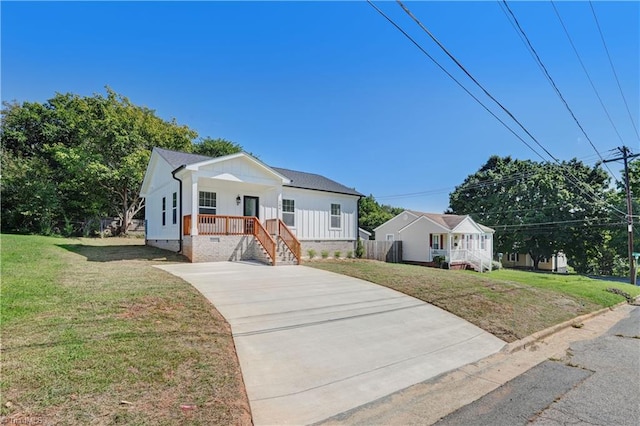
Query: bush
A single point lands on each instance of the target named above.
(438, 260)
(324, 254)
(359, 249)
(495, 265)
(349, 254)
(337, 254)
(311, 253)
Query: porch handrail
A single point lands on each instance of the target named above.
(290, 240)
(261, 234)
(210, 224)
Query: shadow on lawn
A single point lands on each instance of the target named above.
(113, 253)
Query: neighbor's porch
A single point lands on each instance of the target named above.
(455, 248)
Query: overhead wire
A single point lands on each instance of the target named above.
(554, 85)
(615, 74)
(576, 181)
(584, 68)
(452, 77)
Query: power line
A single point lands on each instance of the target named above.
(615, 74)
(486, 92)
(584, 68)
(576, 181)
(452, 77)
(553, 83)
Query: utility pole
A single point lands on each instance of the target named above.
(626, 155)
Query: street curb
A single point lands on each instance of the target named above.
(539, 335)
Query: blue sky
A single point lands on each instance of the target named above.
(333, 88)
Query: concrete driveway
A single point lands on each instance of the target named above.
(313, 344)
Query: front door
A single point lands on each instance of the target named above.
(251, 206)
(250, 210)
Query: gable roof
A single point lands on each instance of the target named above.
(448, 221)
(177, 159)
(313, 181)
(298, 179)
(451, 221)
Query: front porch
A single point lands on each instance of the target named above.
(235, 238)
(477, 259)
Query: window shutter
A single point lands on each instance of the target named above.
(441, 242)
(431, 240)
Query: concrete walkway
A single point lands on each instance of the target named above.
(313, 344)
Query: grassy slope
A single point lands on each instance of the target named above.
(87, 324)
(509, 304)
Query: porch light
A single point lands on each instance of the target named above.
(238, 200)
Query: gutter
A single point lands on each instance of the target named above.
(180, 221)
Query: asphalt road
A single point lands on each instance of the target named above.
(597, 383)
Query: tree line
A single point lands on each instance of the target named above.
(72, 160)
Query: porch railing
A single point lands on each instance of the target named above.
(279, 228)
(475, 257)
(209, 224)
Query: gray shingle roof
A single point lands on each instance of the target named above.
(449, 221)
(177, 159)
(298, 179)
(313, 181)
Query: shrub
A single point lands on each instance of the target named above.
(438, 260)
(324, 254)
(311, 253)
(349, 254)
(337, 254)
(495, 265)
(359, 249)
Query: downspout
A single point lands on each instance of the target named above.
(180, 221)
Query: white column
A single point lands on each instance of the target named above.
(195, 199)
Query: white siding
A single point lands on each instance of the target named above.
(467, 227)
(415, 240)
(162, 185)
(313, 210)
(392, 226)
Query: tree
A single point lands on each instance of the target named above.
(216, 147)
(537, 208)
(373, 214)
(95, 148)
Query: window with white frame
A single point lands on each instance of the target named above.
(207, 202)
(175, 208)
(483, 242)
(336, 218)
(289, 212)
(513, 257)
(164, 211)
(389, 237)
(435, 241)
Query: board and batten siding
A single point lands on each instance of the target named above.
(313, 214)
(162, 185)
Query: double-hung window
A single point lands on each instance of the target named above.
(289, 212)
(435, 241)
(175, 208)
(207, 203)
(514, 257)
(336, 218)
(164, 211)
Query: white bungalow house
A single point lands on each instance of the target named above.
(236, 207)
(555, 263)
(457, 240)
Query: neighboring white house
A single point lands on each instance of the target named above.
(364, 234)
(458, 240)
(555, 263)
(236, 207)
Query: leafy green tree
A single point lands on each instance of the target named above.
(373, 214)
(216, 147)
(537, 208)
(96, 150)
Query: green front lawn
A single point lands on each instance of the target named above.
(509, 304)
(92, 333)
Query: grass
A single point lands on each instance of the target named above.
(507, 303)
(93, 333)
